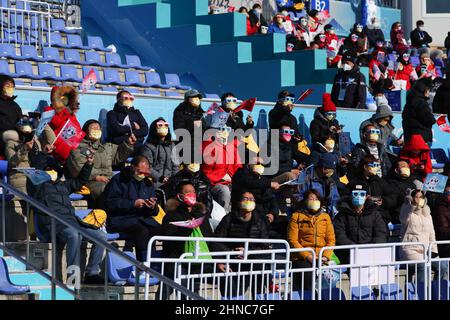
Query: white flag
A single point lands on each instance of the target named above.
(126, 122)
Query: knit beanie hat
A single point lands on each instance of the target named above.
(328, 105)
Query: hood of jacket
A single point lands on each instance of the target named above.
(174, 204)
(153, 137)
(319, 115)
(10, 135)
(383, 111)
(58, 92)
(415, 143)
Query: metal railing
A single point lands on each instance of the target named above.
(140, 268)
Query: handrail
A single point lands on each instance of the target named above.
(101, 243)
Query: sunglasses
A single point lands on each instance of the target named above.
(355, 36)
(162, 124)
(288, 131)
(374, 165)
(290, 45)
(374, 131)
(358, 193)
(225, 129)
(131, 98)
(330, 114)
(248, 199)
(229, 100)
(291, 99)
(406, 56)
(322, 36)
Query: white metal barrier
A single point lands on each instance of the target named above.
(371, 272)
(27, 24)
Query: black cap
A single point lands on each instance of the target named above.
(284, 94)
(349, 56)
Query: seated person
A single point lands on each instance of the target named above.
(328, 146)
(221, 161)
(235, 120)
(131, 205)
(10, 111)
(55, 195)
(417, 153)
(158, 150)
(256, 17)
(379, 192)
(125, 120)
(107, 155)
(426, 69)
(325, 122)
(370, 145)
(278, 24)
(310, 227)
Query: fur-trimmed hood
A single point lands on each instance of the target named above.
(10, 135)
(173, 204)
(58, 92)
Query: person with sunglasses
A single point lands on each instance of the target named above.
(417, 152)
(358, 222)
(125, 120)
(405, 71)
(282, 112)
(235, 120)
(158, 149)
(277, 25)
(321, 41)
(358, 29)
(426, 68)
(441, 219)
(324, 122)
(370, 145)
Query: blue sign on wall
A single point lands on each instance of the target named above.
(320, 5)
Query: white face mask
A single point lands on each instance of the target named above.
(95, 134)
(347, 67)
(193, 167)
(9, 92)
(127, 103)
(259, 169)
(53, 175)
(195, 102)
(313, 205)
(162, 131)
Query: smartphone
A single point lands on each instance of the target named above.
(86, 152)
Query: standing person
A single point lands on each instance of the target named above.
(256, 17)
(417, 116)
(398, 38)
(405, 71)
(417, 226)
(159, 151)
(441, 220)
(374, 32)
(349, 86)
(420, 39)
(441, 100)
(310, 227)
(447, 44)
(125, 120)
(10, 111)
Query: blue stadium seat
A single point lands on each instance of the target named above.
(173, 94)
(132, 77)
(75, 197)
(30, 53)
(70, 73)
(333, 294)
(41, 84)
(416, 293)
(120, 272)
(305, 295)
(11, 37)
(391, 292)
(268, 296)
(152, 92)
(440, 156)
(74, 41)
(96, 43)
(109, 89)
(440, 290)
(60, 25)
(20, 83)
(24, 69)
(4, 68)
(112, 77)
(113, 60)
(52, 55)
(133, 90)
(212, 96)
(415, 61)
(362, 293)
(47, 72)
(56, 41)
(4, 170)
(8, 50)
(154, 80)
(93, 58)
(135, 62)
(73, 56)
(86, 71)
(6, 286)
(38, 22)
(173, 80)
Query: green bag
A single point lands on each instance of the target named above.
(189, 246)
(335, 259)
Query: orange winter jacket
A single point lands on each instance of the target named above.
(310, 231)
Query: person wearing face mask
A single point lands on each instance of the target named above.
(378, 65)
(405, 71)
(350, 45)
(243, 222)
(349, 85)
(321, 41)
(325, 122)
(398, 40)
(417, 153)
(256, 17)
(131, 204)
(107, 155)
(282, 112)
(158, 150)
(315, 25)
(328, 146)
(303, 32)
(235, 120)
(417, 226)
(310, 227)
(10, 111)
(441, 219)
(278, 24)
(370, 145)
(420, 39)
(374, 32)
(417, 116)
(426, 68)
(358, 221)
(122, 117)
(332, 40)
(363, 41)
(382, 120)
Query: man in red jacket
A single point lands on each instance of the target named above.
(220, 162)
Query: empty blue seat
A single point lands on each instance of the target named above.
(154, 80)
(120, 271)
(30, 53)
(362, 293)
(60, 25)
(96, 43)
(70, 73)
(20, 83)
(153, 92)
(173, 94)
(440, 156)
(51, 54)
(47, 72)
(11, 37)
(173, 80)
(93, 58)
(440, 290)
(38, 23)
(305, 295)
(56, 40)
(416, 292)
(109, 89)
(4, 170)
(6, 286)
(113, 60)
(269, 296)
(4, 68)
(133, 90)
(75, 197)
(74, 41)
(212, 96)
(8, 50)
(391, 292)
(112, 77)
(24, 69)
(73, 56)
(333, 294)
(132, 77)
(135, 62)
(415, 61)
(41, 84)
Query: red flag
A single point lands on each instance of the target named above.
(89, 81)
(443, 125)
(305, 94)
(214, 108)
(246, 105)
(71, 134)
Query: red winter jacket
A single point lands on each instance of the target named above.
(405, 74)
(416, 143)
(219, 159)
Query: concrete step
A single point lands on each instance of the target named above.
(45, 293)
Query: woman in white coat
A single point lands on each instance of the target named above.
(417, 226)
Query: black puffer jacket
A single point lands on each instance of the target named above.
(368, 227)
(320, 127)
(374, 35)
(441, 102)
(361, 150)
(354, 84)
(10, 112)
(280, 115)
(417, 116)
(399, 187)
(118, 133)
(236, 121)
(232, 227)
(184, 116)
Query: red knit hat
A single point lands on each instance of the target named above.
(328, 104)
